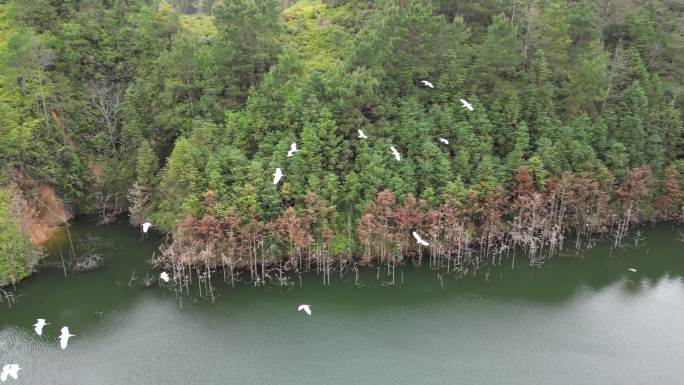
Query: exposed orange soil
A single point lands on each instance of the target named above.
(44, 214)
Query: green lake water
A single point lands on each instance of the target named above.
(573, 321)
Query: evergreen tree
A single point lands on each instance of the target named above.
(181, 185)
(246, 45)
(516, 157)
(631, 121)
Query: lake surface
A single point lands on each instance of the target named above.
(573, 321)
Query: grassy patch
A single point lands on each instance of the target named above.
(198, 24)
(311, 30)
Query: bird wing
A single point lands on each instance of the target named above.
(14, 371)
(65, 333)
(306, 309)
(419, 239)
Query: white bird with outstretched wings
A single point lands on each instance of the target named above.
(277, 175)
(306, 308)
(420, 240)
(396, 154)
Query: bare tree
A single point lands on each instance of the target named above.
(107, 99)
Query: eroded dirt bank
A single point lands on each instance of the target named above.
(43, 214)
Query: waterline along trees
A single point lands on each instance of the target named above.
(17, 257)
(562, 119)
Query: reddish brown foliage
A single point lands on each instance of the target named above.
(670, 203)
(537, 221)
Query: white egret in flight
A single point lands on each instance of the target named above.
(427, 84)
(64, 337)
(164, 276)
(277, 175)
(633, 270)
(395, 152)
(293, 149)
(362, 135)
(467, 105)
(11, 370)
(306, 308)
(146, 226)
(38, 326)
(420, 240)
(445, 141)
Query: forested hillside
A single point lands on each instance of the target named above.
(179, 112)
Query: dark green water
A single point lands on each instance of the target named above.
(574, 321)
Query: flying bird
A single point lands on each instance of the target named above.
(467, 105)
(395, 152)
(293, 149)
(362, 135)
(633, 270)
(420, 240)
(427, 84)
(445, 141)
(164, 276)
(306, 308)
(11, 370)
(38, 326)
(146, 226)
(64, 337)
(277, 175)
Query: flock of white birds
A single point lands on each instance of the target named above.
(63, 337)
(278, 174)
(12, 370)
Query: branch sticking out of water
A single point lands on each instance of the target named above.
(7, 297)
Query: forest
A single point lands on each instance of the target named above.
(178, 113)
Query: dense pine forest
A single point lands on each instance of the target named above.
(519, 126)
